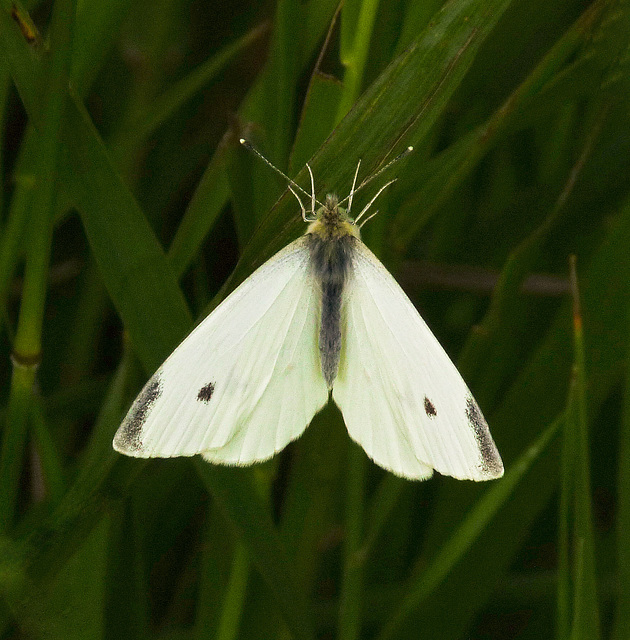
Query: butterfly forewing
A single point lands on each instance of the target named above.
(246, 381)
(401, 397)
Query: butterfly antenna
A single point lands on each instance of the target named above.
(368, 219)
(354, 182)
(371, 202)
(311, 195)
(313, 199)
(300, 201)
(369, 179)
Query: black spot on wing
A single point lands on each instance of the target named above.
(128, 437)
(429, 408)
(491, 460)
(205, 393)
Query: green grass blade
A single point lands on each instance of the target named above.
(281, 84)
(124, 577)
(357, 25)
(204, 208)
(167, 104)
(13, 441)
(97, 26)
(28, 345)
(459, 543)
(237, 495)
(351, 596)
(215, 573)
(537, 392)
(402, 104)
(444, 174)
(132, 264)
(565, 511)
(585, 623)
(49, 460)
(234, 595)
(317, 120)
(622, 612)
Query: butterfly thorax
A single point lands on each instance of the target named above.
(333, 221)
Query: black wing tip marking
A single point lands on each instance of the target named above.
(491, 465)
(205, 393)
(127, 438)
(429, 408)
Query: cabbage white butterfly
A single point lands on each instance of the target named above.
(321, 318)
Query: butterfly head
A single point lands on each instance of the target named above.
(332, 221)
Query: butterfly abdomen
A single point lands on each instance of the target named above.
(331, 259)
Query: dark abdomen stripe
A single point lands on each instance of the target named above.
(331, 259)
(330, 330)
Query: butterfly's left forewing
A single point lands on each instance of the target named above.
(246, 381)
(401, 397)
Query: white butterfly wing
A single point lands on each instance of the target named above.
(246, 381)
(401, 397)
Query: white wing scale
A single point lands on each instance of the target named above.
(401, 397)
(246, 381)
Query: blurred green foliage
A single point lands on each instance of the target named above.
(129, 210)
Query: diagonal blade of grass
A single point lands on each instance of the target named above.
(538, 391)
(204, 208)
(403, 103)
(457, 545)
(446, 172)
(252, 520)
(166, 105)
(134, 267)
(317, 118)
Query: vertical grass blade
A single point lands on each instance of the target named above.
(28, 340)
(622, 600)
(585, 618)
